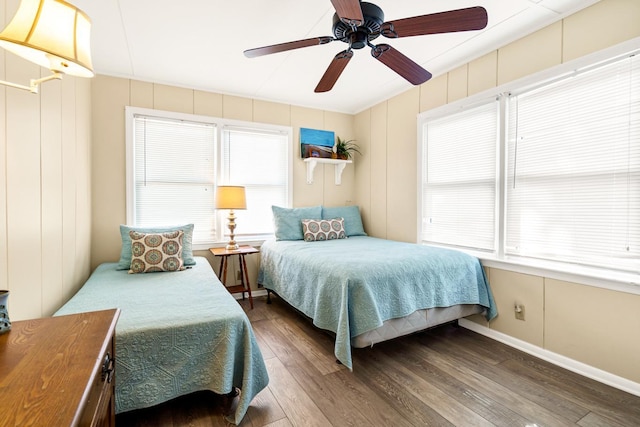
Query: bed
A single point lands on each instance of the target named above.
(366, 290)
(178, 332)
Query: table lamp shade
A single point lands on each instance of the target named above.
(230, 197)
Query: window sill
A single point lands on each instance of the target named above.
(590, 276)
(206, 246)
(607, 279)
(620, 281)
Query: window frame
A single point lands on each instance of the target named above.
(619, 280)
(220, 125)
(439, 113)
(227, 125)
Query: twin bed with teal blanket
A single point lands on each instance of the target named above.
(367, 290)
(178, 332)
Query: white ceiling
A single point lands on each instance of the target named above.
(199, 44)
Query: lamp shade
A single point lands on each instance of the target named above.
(230, 197)
(53, 34)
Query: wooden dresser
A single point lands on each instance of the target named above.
(59, 371)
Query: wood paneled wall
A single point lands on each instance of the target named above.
(45, 191)
(589, 324)
(110, 95)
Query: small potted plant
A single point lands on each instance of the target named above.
(344, 149)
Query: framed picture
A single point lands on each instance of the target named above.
(316, 143)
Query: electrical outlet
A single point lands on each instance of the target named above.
(519, 310)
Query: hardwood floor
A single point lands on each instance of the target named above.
(448, 376)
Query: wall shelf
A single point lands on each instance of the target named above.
(312, 162)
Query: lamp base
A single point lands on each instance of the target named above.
(232, 245)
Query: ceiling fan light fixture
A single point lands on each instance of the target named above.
(358, 39)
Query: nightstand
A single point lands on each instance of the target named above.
(245, 286)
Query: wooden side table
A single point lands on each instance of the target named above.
(245, 286)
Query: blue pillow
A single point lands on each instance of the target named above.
(352, 220)
(125, 252)
(288, 221)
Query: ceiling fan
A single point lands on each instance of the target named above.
(359, 23)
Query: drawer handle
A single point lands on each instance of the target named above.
(108, 367)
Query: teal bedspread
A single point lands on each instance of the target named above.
(351, 286)
(178, 332)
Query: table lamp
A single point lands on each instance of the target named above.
(231, 197)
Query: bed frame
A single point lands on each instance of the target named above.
(417, 321)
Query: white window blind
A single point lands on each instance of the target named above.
(459, 178)
(573, 173)
(174, 170)
(257, 159)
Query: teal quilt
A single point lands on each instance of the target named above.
(178, 332)
(351, 286)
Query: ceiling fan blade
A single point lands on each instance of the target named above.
(336, 67)
(471, 18)
(399, 63)
(283, 47)
(349, 11)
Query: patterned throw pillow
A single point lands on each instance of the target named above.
(187, 242)
(323, 229)
(156, 251)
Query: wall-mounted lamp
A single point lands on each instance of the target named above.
(53, 34)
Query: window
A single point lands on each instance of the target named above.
(573, 174)
(173, 174)
(459, 178)
(570, 156)
(258, 160)
(175, 161)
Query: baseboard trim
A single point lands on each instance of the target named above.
(557, 359)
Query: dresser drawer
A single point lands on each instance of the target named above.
(99, 408)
